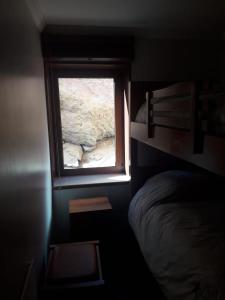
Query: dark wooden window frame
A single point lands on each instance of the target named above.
(55, 71)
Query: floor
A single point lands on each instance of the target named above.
(124, 270)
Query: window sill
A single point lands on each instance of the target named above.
(68, 182)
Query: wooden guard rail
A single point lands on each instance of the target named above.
(177, 106)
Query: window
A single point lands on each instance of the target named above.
(87, 118)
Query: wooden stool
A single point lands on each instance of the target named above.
(90, 218)
(73, 266)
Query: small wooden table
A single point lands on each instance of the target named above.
(89, 204)
(75, 264)
(89, 218)
(74, 272)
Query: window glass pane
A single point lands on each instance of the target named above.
(88, 122)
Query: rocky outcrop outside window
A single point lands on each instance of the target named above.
(88, 122)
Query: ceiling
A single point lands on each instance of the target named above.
(154, 17)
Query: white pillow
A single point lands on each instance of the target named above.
(141, 116)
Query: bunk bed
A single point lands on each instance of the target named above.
(186, 120)
(178, 216)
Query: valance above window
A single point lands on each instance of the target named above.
(58, 47)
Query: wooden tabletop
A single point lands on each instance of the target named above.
(89, 204)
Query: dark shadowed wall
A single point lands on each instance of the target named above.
(223, 61)
(25, 182)
(177, 59)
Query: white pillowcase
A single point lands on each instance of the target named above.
(141, 116)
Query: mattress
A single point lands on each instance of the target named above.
(179, 221)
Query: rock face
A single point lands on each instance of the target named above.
(87, 110)
(87, 115)
(102, 156)
(72, 155)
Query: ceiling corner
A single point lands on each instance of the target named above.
(36, 13)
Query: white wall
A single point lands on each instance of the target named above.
(25, 181)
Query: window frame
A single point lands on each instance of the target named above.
(118, 73)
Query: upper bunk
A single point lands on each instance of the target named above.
(184, 119)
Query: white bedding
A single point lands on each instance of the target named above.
(181, 235)
(141, 116)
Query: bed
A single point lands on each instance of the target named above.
(178, 218)
(184, 119)
(174, 112)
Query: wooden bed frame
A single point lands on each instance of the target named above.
(176, 122)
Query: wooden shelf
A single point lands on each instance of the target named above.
(89, 204)
(69, 182)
